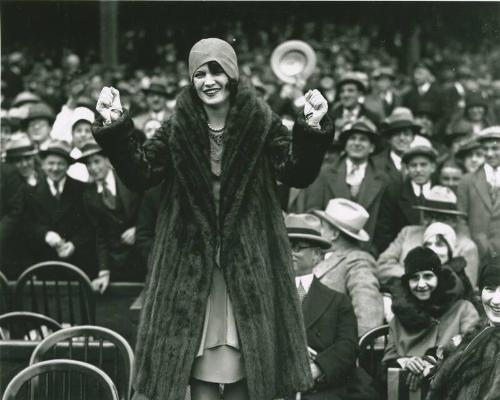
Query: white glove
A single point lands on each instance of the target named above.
(315, 108)
(128, 237)
(66, 250)
(109, 104)
(53, 239)
(101, 283)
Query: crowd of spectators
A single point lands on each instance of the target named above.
(416, 153)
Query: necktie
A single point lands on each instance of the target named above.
(107, 197)
(353, 180)
(301, 291)
(57, 194)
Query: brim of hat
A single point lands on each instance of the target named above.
(406, 158)
(375, 138)
(21, 154)
(362, 235)
(87, 154)
(487, 137)
(440, 210)
(359, 84)
(296, 46)
(44, 153)
(323, 243)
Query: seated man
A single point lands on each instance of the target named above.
(440, 206)
(112, 209)
(348, 268)
(329, 319)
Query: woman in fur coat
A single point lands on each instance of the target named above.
(428, 312)
(221, 304)
(471, 368)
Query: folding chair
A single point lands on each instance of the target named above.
(24, 325)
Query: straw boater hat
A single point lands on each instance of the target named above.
(89, 149)
(353, 77)
(400, 118)
(19, 145)
(306, 227)
(420, 150)
(466, 147)
(58, 147)
(347, 216)
(491, 133)
(441, 200)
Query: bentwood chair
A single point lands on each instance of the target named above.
(24, 325)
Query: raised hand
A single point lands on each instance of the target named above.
(109, 104)
(315, 108)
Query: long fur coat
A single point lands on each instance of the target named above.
(254, 250)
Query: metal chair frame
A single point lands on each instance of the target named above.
(367, 344)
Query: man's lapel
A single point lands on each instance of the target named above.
(483, 188)
(315, 303)
(336, 180)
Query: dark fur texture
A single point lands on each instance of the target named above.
(255, 253)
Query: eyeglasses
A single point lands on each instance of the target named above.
(300, 246)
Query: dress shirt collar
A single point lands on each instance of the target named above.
(422, 89)
(426, 188)
(306, 281)
(110, 183)
(350, 165)
(396, 160)
(492, 175)
(351, 114)
(60, 186)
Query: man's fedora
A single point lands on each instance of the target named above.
(400, 118)
(19, 145)
(441, 200)
(89, 148)
(158, 86)
(490, 133)
(356, 78)
(347, 216)
(361, 125)
(58, 147)
(420, 150)
(306, 227)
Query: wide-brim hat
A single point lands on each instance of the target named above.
(400, 118)
(158, 86)
(491, 133)
(19, 145)
(292, 59)
(362, 125)
(414, 151)
(25, 98)
(89, 149)
(442, 200)
(40, 110)
(347, 216)
(467, 147)
(355, 78)
(306, 227)
(58, 147)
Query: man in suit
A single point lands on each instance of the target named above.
(479, 196)
(350, 89)
(54, 222)
(439, 206)
(19, 169)
(112, 209)
(347, 268)
(396, 206)
(328, 315)
(353, 176)
(384, 99)
(399, 129)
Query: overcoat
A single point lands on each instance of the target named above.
(249, 230)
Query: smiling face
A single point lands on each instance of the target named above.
(82, 132)
(55, 167)
(422, 284)
(38, 130)
(25, 165)
(450, 176)
(349, 94)
(420, 169)
(98, 167)
(491, 150)
(211, 85)
(400, 140)
(490, 296)
(359, 147)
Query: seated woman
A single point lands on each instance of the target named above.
(441, 238)
(428, 312)
(472, 368)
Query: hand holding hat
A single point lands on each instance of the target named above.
(109, 104)
(315, 107)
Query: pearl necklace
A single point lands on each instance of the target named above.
(215, 129)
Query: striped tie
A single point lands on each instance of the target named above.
(302, 292)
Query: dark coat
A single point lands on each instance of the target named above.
(396, 211)
(254, 249)
(331, 184)
(384, 165)
(378, 105)
(66, 216)
(331, 329)
(109, 225)
(433, 99)
(146, 221)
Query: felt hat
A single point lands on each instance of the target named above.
(19, 145)
(25, 98)
(291, 59)
(353, 77)
(40, 110)
(420, 150)
(306, 227)
(57, 147)
(361, 125)
(421, 259)
(458, 130)
(213, 49)
(445, 230)
(475, 99)
(347, 216)
(82, 114)
(89, 149)
(158, 86)
(490, 274)
(490, 133)
(400, 118)
(442, 200)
